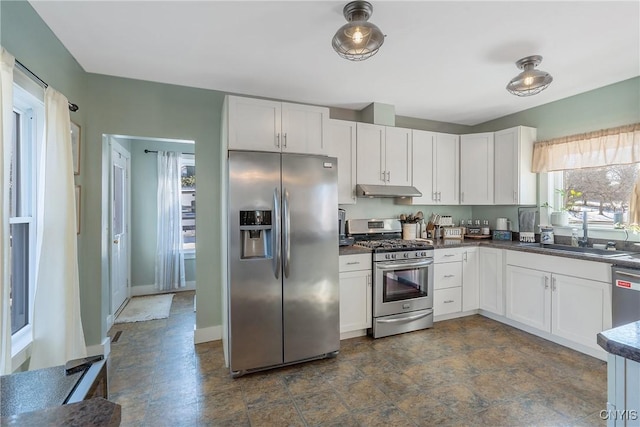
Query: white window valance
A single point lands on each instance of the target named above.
(605, 147)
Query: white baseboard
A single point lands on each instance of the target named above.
(104, 348)
(454, 315)
(139, 290)
(353, 334)
(110, 319)
(212, 333)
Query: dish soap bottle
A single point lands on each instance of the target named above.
(574, 237)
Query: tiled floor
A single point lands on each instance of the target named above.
(471, 371)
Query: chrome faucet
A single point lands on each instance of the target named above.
(584, 240)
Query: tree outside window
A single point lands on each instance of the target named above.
(604, 193)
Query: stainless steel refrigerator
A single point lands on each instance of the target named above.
(283, 294)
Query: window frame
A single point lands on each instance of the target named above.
(187, 159)
(30, 107)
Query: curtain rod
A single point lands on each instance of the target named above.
(149, 151)
(72, 107)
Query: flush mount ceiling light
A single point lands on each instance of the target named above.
(358, 39)
(530, 81)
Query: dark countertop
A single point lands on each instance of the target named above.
(510, 245)
(622, 341)
(96, 412)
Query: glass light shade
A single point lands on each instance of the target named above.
(530, 81)
(357, 40)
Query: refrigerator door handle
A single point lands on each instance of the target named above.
(286, 227)
(277, 248)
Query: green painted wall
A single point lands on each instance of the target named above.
(144, 192)
(153, 110)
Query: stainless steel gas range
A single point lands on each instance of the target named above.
(402, 276)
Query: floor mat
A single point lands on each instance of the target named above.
(140, 309)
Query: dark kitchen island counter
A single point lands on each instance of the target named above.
(622, 341)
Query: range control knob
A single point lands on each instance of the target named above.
(406, 255)
(393, 256)
(387, 256)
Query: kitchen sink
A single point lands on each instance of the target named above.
(591, 251)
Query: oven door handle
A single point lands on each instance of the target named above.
(393, 266)
(404, 319)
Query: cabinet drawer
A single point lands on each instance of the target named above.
(447, 275)
(447, 301)
(355, 262)
(447, 255)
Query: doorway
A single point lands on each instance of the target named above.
(120, 190)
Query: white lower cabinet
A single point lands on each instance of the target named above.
(447, 301)
(491, 280)
(571, 306)
(456, 285)
(470, 282)
(355, 292)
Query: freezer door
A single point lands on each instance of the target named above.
(255, 282)
(310, 256)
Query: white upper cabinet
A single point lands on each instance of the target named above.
(515, 184)
(476, 169)
(398, 156)
(263, 125)
(384, 155)
(342, 144)
(435, 164)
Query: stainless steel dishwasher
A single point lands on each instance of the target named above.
(626, 295)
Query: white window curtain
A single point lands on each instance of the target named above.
(615, 146)
(169, 257)
(6, 113)
(57, 326)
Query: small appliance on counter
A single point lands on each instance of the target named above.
(502, 230)
(343, 240)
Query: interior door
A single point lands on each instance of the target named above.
(119, 227)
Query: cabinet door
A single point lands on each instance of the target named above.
(447, 168)
(398, 156)
(370, 154)
(254, 124)
(423, 166)
(528, 297)
(476, 169)
(491, 280)
(304, 128)
(507, 153)
(342, 144)
(470, 280)
(355, 300)
(581, 308)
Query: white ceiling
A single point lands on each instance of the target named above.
(441, 60)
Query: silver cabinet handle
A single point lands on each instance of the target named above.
(369, 280)
(353, 263)
(388, 176)
(439, 196)
(553, 284)
(448, 276)
(434, 196)
(403, 319)
(448, 301)
(465, 256)
(624, 273)
(515, 196)
(286, 231)
(384, 176)
(277, 248)
(284, 140)
(546, 282)
(448, 255)
(278, 140)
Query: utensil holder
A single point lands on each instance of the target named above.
(409, 231)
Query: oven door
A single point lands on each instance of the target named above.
(402, 286)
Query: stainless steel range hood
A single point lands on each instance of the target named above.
(367, 190)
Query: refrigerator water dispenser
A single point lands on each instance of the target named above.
(256, 234)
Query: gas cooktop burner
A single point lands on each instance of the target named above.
(388, 245)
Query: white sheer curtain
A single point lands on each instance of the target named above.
(6, 114)
(169, 258)
(57, 327)
(615, 146)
